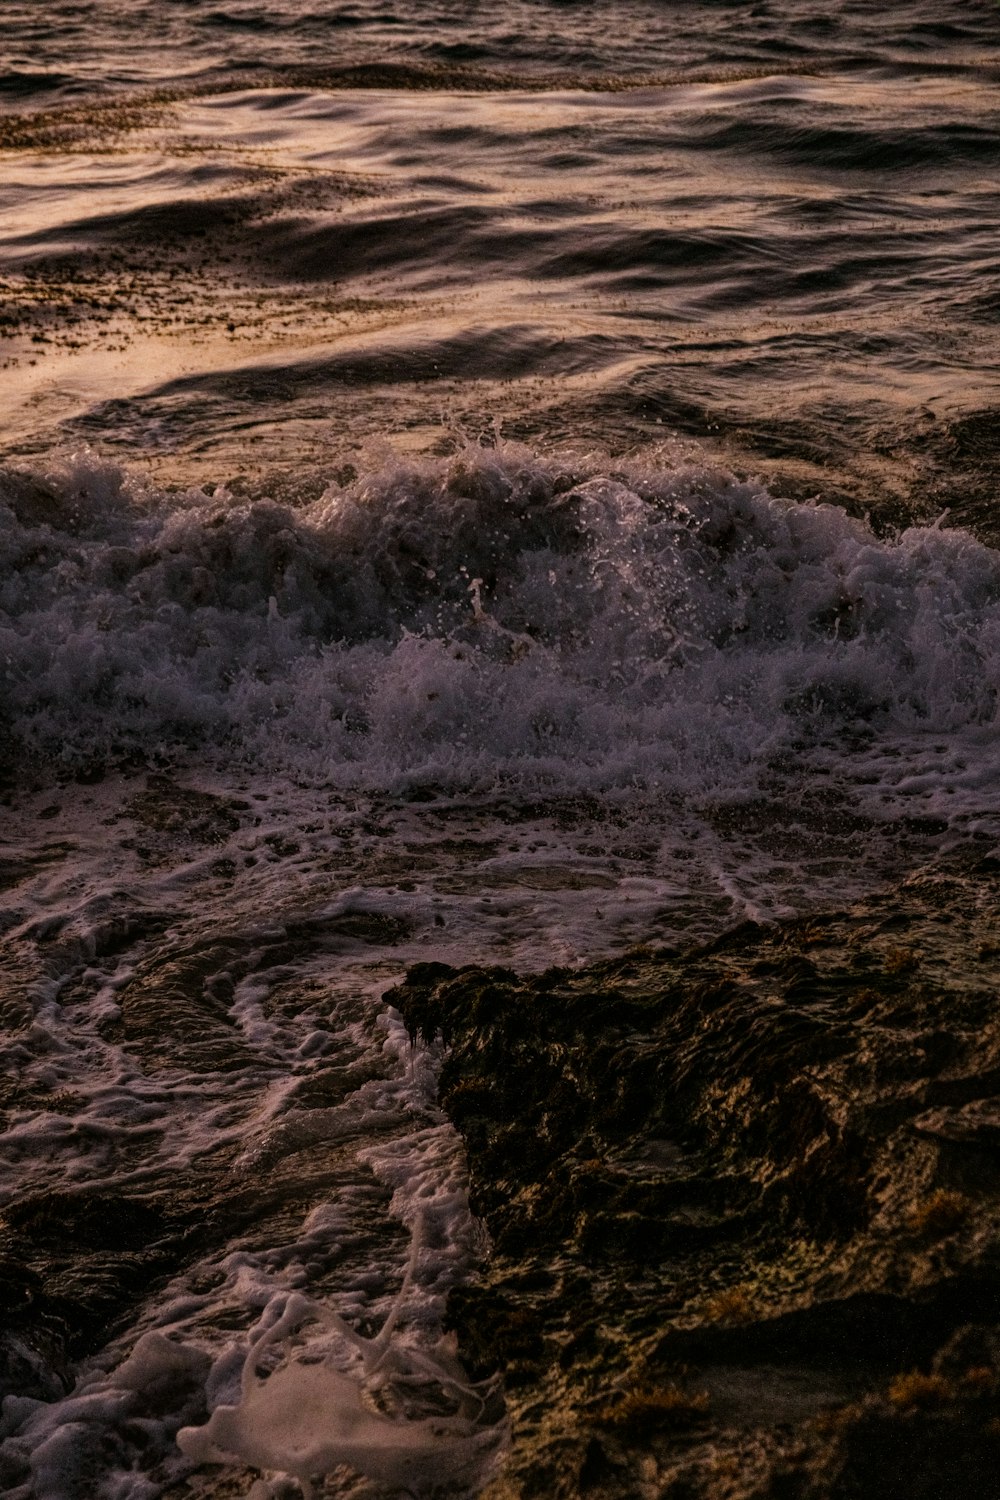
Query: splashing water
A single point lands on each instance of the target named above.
(498, 620)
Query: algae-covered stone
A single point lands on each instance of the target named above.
(744, 1204)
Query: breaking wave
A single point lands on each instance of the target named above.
(498, 619)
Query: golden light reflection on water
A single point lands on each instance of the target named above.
(213, 279)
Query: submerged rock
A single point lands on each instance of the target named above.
(745, 1204)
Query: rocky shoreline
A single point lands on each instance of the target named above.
(744, 1202)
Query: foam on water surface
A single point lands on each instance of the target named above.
(308, 1275)
(309, 1418)
(495, 622)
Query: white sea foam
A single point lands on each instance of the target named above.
(304, 1390)
(500, 620)
(307, 1417)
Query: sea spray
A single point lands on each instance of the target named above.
(499, 619)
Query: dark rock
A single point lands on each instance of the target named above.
(744, 1205)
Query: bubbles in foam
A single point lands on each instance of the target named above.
(498, 619)
(305, 1418)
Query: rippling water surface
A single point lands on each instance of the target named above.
(477, 485)
(771, 232)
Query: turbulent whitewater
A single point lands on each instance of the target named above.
(500, 622)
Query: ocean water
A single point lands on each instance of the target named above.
(487, 486)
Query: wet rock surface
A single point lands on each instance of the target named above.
(745, 1204)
